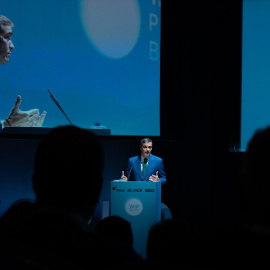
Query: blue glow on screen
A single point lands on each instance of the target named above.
(100, 58)
(255, 107)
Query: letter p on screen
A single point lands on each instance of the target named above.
(153, 21)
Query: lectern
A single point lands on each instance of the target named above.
(140, 204)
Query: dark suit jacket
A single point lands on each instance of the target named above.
(155, 164)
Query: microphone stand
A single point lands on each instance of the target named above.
(58, 105)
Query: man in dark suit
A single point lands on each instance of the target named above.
(146, 166)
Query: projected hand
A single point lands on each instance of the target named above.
(123, 176)
(20, 118)
(40, 120)
(154, 178)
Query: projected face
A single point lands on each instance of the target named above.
(6, 45)
(146, 149)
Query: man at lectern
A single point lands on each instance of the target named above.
(146, 166)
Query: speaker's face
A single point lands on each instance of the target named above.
(146, 149)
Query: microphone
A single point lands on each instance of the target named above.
(58, 105)
(130, 172)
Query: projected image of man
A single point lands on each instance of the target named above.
(16, 117)
(6, 45)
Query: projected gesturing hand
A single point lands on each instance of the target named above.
(40, 120)
(20, 118)
(154, 178)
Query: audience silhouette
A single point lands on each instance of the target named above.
(215, 247)
(119, 229)
(254, 184)
(54, 232)
(116, 226)
(175, 242)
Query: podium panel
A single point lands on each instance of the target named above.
(140, 204)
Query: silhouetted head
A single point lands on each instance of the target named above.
(116, 226)
(256, 176)
(68, 168)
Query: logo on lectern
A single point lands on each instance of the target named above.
(134, 207)
(118, 189)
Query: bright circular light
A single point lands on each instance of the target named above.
(112, 26)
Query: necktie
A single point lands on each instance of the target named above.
(144, 166)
